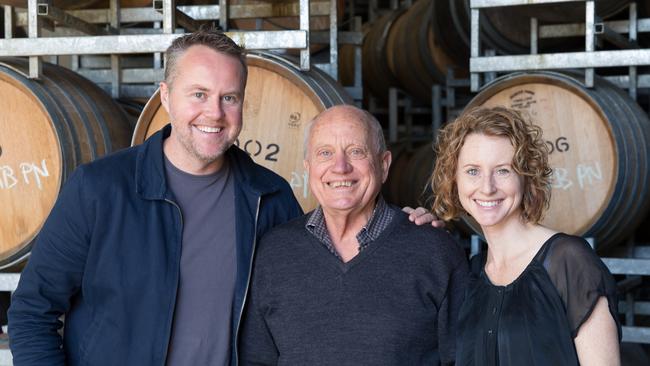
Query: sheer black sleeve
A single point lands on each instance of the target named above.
(581, 278)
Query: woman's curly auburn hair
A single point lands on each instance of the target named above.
(530, 160)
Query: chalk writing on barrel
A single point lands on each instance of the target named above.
(27, 173)
(586, 174)
(300, 182)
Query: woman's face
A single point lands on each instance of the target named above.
(488, 187)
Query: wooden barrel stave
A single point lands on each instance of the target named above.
(609, 222)
(407, 182)
(634, 139)
(421, 59)
(423, 162)
(65, 135)
(415, 73)
(406, 49)
(401, 153)
(378, 76)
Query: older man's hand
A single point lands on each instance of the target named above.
(421, 216)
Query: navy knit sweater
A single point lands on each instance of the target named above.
(395, 303)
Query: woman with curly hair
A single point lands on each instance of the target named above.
(536, 297)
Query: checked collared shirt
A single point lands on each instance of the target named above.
(381, 216)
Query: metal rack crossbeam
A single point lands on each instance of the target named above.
(135, 75)
(124, 44)
(578, 29)
(62, 17)
(565, 60)
(476, 4)
(197, 12)
(592, 28)
(165, 12)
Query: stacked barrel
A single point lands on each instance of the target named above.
(413, 48)
(47, 128)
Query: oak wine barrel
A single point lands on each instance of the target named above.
(408, 177)
(378, 76)
(402, 49)
(280, 100)
(599, 142)
(419, 59)
(47, 128)
(132, 109)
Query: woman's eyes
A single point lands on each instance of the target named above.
(499, 172)
(472, 171)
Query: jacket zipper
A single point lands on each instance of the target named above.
(171, 318)
(248, 281)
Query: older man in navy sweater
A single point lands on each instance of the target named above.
(352, 282)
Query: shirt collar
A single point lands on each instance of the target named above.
(379, 220)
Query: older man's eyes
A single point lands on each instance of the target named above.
(357, 153)
(324, 154)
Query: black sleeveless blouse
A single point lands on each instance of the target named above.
(533, 320)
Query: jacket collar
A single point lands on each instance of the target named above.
(151, 182)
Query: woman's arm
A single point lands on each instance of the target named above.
(597, 339)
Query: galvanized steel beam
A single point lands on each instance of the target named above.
(565, 60)
(99, 45)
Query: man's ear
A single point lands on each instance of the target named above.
(386, 160)
(164, 95)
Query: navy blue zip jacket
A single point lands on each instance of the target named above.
(108, 258)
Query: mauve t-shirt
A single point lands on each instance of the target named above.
(201, 329)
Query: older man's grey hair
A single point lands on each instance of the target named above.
(376, 132)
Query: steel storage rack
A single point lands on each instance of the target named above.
(588, 59)
(94, 32)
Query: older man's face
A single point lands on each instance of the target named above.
(345, 172)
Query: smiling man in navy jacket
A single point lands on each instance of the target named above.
(109, 256)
